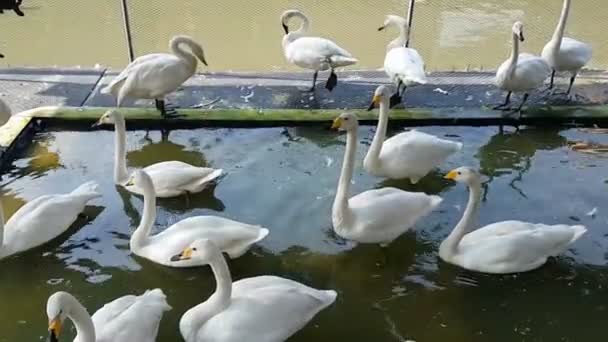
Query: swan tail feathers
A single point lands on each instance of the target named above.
(579, 230)
(328, 297)
(89, 190)
(435, 201)
(262, 234)
(215, 175)
(340, 61)
(157, 298)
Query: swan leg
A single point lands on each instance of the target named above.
(332, 81)
(314, 80)
(164, 111)
(396, 98)
(521, 105)
(571, 83)
(505, 104)
(187, 195)
(552, 79)
(18, 11)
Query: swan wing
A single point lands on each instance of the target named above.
(273, 311)
(174, 177)
(575, 53)
(315, 51)
(230, 236)
(131, 318)
(381, 215)
(134, 66)
(405, 64)
(515, 246)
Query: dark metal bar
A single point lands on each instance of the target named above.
(410, 18)
(127, 25)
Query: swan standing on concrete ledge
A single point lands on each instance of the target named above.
(374, 216)
(126, 319)
(155, 75)
(257, 309)
(565, 54)
(316, 53)
(521, 72)
(405, 155)
(403, 65)
(501, 247)
(170, 178)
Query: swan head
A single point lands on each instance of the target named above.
(381, 93)
(203, 250)
(518, 29)
(395, 20)
(345, 122)
(286, 17)
(140, 179)
(57, 309)
(110, 117)
(464, 174)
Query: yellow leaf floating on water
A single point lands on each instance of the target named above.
(588, 147)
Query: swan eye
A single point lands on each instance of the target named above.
(194, 249)
(459, 173)
(345, 119)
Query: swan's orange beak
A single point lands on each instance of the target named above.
(185, 255)
(337, 123)
(375, 102)
(55, 329)
(451, 175)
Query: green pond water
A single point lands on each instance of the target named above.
(285, 179)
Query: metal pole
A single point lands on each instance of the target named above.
(127, 25)
(410, 18)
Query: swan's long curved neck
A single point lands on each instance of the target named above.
(514, 54)
(220, 299)
(402, 38)
(340, 210)
(301, 31)
(558, 35)
(85, 329)
(450, 245)
(177, 50)
(120, 151)
(141, 234)
(373, 155)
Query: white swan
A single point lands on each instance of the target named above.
(403, 65)
(501, 247)
(5, 113)
(260, 309)
(171, 178)
(155, 75)
(406, 155)
(126, 319)
(521, 72)
(315, 53)
(373, 216)
(232, 237)
(43, 219)
(563, 53)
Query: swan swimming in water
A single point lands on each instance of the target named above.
(316, 53)
(403, 65)
(155, 75)
(125, 319)
(257, 309)
(501, 247)
(521, 72)
(563, 53)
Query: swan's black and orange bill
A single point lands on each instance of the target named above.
(451, 175)
(54, 330)
(381, 28)
(185, 255)
(521, 36)
(337, 123)
(375, 102)
(286, 29)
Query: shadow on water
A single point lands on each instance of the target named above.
(156, 152)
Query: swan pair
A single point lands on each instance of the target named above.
(261, 309)
(315, 53)
(43, 219)
(382, 215)
(170, 178)
(153, 76)
(403, 65)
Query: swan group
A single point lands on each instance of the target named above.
(270, 308)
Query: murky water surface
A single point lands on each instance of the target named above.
(246, 35)
(285, 179)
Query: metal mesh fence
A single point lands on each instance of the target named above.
(241, 35)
